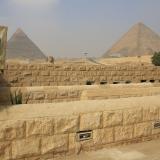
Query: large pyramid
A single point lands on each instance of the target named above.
(20, 46)
(139, 40)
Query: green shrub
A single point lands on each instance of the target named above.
(16, 98)
(156, 59)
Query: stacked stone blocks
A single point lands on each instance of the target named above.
(18, 75)
(50, 137)
(33, 95)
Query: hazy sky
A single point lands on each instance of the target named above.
(68, 28)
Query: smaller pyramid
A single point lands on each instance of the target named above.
(138, 41)
(20, 46)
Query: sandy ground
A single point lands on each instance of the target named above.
(92, 61)
(125, 60)
(142, 151)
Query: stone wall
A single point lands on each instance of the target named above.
(3, 44)
(52, 94)
(28, 133)
(21, 74)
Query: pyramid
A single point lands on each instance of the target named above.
(20, 46)
(139, 40)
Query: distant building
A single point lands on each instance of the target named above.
(20, 46)
(139, 40)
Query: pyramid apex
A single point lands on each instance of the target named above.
(140, 24)
(19, 30)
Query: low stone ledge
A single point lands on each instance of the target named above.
(39, 131)
(90, 121)
(39, 126)
(26, 111)
(66, 124)
(132, 116)
(25, 148)
(112, 118)
(123, 133)
(10, 130)
(54, 144)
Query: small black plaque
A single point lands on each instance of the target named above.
(84, 135)
(157, 125)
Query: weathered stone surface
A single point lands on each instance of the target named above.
(90, 121)
(151, 113)
(143, 129)
(103, 136)
(39, 126)
(76, 146)
(132, 116)
(72, 143)
(5, 150)
(59, 156)
(12, 130)
(66, 124)
(123, 133)
(25, 148)
(42, 157)
(39, 96)
(155, 130)
(56, 143)
(112, 118)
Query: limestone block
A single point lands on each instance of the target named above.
(112, 118)
(90, 121)
(66, 124)
(51, 95)
(143, 129)
(5, 150)
(39, 126)
(75, 146)
(155, 130)
(82, 68)
(150, 113)
(73, 94)
(62, 73)
(56, 143)
(53, 73)
(25, 148)
(123, 133)
(67, 68)
(10, 130)
(60, 156)
(32, 67)
(35, 73)
(62, 93)
(72, 143)
(27, 73)
(44, 73)
(41, 157)
(132, 116)
(65, 79)
(103, 136)
(13, 79)
(38, 95)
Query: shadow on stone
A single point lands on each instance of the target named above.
(5, 94)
